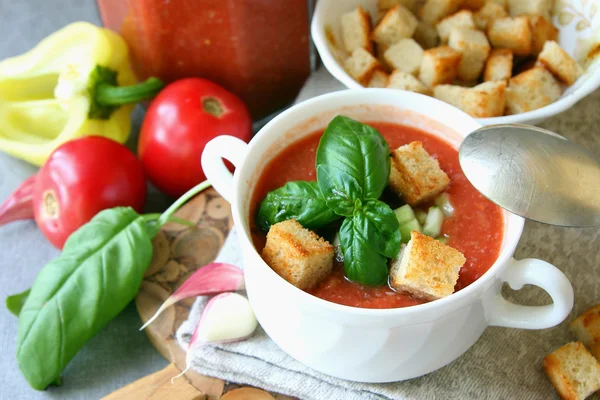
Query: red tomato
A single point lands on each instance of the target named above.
(185, 116)
(81, 178)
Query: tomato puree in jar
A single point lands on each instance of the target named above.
(258, 49)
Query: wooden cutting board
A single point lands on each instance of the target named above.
(178, 252)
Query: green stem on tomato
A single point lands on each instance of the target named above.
(164, 218)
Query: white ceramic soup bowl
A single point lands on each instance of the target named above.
(365, 344)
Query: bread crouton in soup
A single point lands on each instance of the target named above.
(361, 65)
(573, 371)
(426, 268)
(499, 65)
(356, 29)
(586, 327)
(415, 175)
(475, 49)
(398, 23)
(530, 90)
(405, 81)
(461, 19)
(297, 254)
(439, 65)
(559, 63)
(542, 30)
(511, 33)
(406, 55)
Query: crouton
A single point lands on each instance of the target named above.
(475, 50)
(426, 268)
(405, 81)
(531, 7)
(439, 65)
(426, 35)
(398, 23)
(461, 19)
(415, 175)
(499, 65)
(387, 4)
(472, 5)
(586, 327)
(297, 254)
(487, 13)
(557, 61)
(530, 90)
(573, 371)
(502, 3)
(482, 101)
(542, 30)
(356, 27)
(511, 33)
(435, 10)
(362, 65)
(406, 55)
(379, 79)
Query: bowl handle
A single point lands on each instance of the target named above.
(223, 147)
(501, 312)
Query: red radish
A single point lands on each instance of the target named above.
(226, 318)
(19, 204)
(211, 279)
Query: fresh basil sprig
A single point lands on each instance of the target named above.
(353, 168)
(98, 273)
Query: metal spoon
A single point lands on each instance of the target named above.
(534, 173)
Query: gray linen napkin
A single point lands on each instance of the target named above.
(503, 364)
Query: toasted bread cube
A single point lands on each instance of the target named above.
(502, 3)
(461, 19)
(557, 61)
(435, 10)
(475, 50)
(487, 13)
(472, 5)
(398, 23)
(405, 81)
(542, 31)
(426, 268)
(573, 371)
(439, 65)
(530, 90)
(362, 65)
(586, 327)
(406, 55)
(356, 27)
(485, 100)
(379, 79)
(387, 4)
(297, 254)
(511, 33)
(531, 7)
(415, 175)
(426, 35)
(499, 65)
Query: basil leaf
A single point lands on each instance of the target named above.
(379, 226)
(295, 200)
(352, 163)
(362, 264)
(98, 273)
(15, 302)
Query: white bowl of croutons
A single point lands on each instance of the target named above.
(501, 61)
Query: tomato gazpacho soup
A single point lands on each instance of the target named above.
(374, 215)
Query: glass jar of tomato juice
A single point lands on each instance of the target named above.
(258, 49)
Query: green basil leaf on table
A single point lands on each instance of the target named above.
(352, 163)
(74, 296)
(297, 200)
(362, 264)
(15, 302)
(379, 226)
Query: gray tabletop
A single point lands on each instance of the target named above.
(119, 354)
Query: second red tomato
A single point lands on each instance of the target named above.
(185, 116)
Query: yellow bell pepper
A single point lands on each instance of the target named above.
(72, 84)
